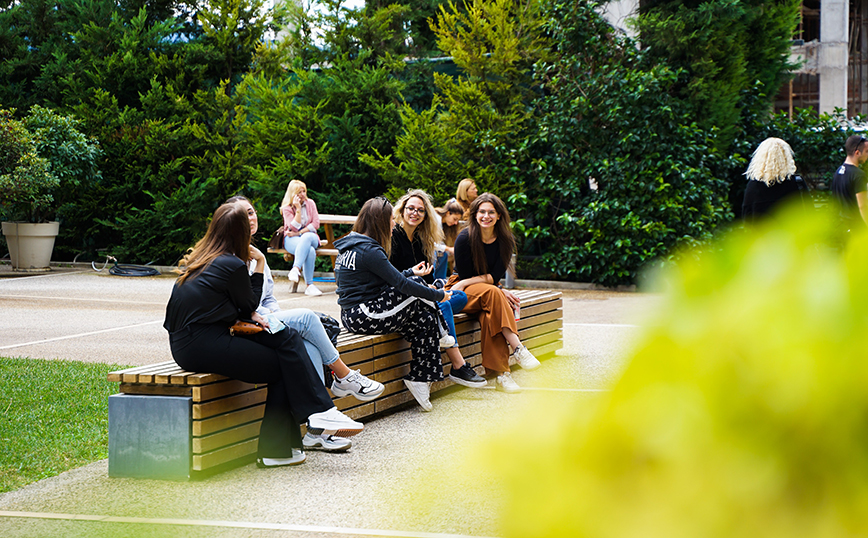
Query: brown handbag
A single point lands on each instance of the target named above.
(245, 327)
(276, 241)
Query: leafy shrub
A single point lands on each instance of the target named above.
(26, 179)
(620, 174)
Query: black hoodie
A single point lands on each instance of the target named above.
(363, 273)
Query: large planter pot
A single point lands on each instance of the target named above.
(30, 244)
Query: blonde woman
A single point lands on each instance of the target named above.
(771, 178)
(466, 193)
(300, 225)
(414, 236)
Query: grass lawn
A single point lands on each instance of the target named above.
(54, 417)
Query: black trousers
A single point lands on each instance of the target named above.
(280, 360)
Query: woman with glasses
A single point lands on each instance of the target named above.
(483, 252)
(450, 222)
(215, 288)
(376, 298)
(413, 249)
(300, 225)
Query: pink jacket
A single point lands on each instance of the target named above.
(312, 214)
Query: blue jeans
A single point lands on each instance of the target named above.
(449, 308)
(441, 266)
(316, 341)
(303, 247)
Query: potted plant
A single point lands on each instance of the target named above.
(26, 183)
(39, 157)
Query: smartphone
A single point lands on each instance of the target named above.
(274, 324)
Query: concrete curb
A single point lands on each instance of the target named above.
(168, 271)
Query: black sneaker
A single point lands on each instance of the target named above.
(468, 377)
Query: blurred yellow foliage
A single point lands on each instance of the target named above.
(743, 412)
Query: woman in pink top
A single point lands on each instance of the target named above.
(301, 222)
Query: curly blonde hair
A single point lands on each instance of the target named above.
(772, 162)
(428, 232)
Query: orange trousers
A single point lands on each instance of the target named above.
(494, 313)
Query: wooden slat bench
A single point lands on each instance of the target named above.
(169, 423)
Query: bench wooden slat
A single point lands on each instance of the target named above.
(226, 437)
(204, 393)
(231, 403)
(229, 420)
(154, 390)
(202, 462)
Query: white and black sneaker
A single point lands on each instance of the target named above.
(328, 443)
(333, 422)
(359, 386)
(468, 377)
(297, 458)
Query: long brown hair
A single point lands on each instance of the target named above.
(501, 230)
(228, 233)
(374, 221)
(450, 232)
(428, 232)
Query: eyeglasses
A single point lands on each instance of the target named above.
(416, 210)
(385, 201)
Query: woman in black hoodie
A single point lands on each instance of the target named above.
(376, 298)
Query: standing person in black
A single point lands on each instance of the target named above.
(849, 187)
(213, 291)
(771, 178)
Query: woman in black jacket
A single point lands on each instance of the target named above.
(376, 298)
(213, 291)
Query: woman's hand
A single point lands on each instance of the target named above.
(260, 319)
(256, 254)
(297, 202)
(422, 269)
(447, 296)
(511, 297)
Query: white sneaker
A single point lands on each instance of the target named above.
(447, 341)
(293, 274)
(359, 386)
(297, 457)
(505, 383)
(525, 358)
(312, 291)
(328, 443)
(333, 422)
(421, 391)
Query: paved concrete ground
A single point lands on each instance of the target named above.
(409, 473)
